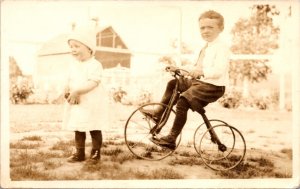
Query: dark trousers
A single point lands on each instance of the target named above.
(182, 108)
(192, 97)
(96, 136)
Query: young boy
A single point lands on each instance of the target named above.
(212, 67)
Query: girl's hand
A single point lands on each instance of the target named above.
(73, 98)
(66, 92)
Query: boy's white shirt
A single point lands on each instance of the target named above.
(215, 63)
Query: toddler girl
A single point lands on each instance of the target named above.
(86, 100)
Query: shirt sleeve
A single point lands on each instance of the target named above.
(95, 72)
(219, 65)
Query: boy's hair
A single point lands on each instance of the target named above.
(213, 15)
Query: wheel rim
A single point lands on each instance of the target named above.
(236, 148)
(137, 135)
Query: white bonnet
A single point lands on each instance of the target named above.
(86, 37)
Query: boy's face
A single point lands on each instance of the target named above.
(79, 50)
(209, 29)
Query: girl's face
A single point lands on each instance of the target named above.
(209, 29)
(79, 50)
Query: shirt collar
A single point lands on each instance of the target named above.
(213, 42)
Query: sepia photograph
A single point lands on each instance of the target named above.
(150, 94)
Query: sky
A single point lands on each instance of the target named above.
(146, 27)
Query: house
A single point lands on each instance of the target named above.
(111, 50)
(54, 56)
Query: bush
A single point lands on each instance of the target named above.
(129, 98)
(231, 99)
(267, 101)
(234, 99)
(139, 98)
(20, 90)
(118, 94)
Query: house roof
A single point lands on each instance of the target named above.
(58, 45)
(55, 46)
(113, 31)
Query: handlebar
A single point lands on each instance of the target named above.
(180, 73)
(177, 71)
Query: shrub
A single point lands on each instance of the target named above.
(20, 90)
(118, 94)
(129, 98)
(264, 101)
(143, 97)
(231, 99)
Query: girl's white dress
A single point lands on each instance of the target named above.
(92, 111)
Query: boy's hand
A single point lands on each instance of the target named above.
(171, 68)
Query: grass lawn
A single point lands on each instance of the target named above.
(39, 148)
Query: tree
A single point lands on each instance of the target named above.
(170, 59)
(14, 69)
(255, 35)
(20, 86)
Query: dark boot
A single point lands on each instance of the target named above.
(169, 141)
(95, 156)
(156, 113)
(96, 146)
(79, 155)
